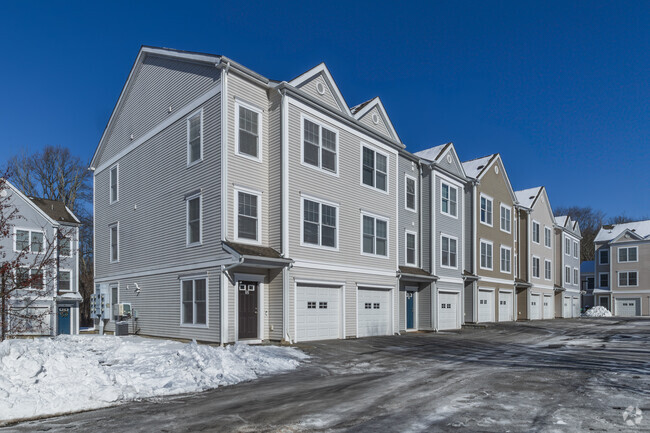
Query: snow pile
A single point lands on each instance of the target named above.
(598, 311)
(69, 373)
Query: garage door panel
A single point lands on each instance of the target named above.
(535, 307)
(627, 307)
(373, 312)
(485, 306)
(505, 307)
(318, 313)
(448, 305)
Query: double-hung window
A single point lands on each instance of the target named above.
(627, 254)
(65, 280)
(506, 260)
(195, 138)
(411, 250)
(248, 216)
(536, 267)
(603, 279)
(575, 249)
(575, 276)
(194, 219)
(194, 302)
(567, 246)
(448, 199)
(114, 242)
(603, 257)
(320, 224)
(535, 232)
(411, 203)
(30, 241)
(65, 247)
(114, 182)
(628, 278)
(249, 131)
(486, 255)
(506, 219)
(449, 252)
(486, 210)
(374, 169)
(567, 274)
(375, 236)
(319, 146)
(547, 237)
(547, 269)
(31, 279)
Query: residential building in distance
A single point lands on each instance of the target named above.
(623, 268)
(567, 267)
(587, 284)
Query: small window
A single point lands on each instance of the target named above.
(627, 279)
(443, 305)
(375, 306)
(547, 237)
(375, 236)
(249, 131)
(65, 249)
(322, 305)
(311, 305)
(628, 254)
(194, 302)
(536, 267)
(547, 269)
(506, 261)
(248, 224)
(535, 232)
(603, 279)
(368, 306)
(319, 224)
(449, 199)
(114, 184)
(194, 220)
(486, 255)
(603, 257)
(449, 252)
(410, 194)
(114, 246)
(374, 169)
(319, 146)
(486, 210)
(410, 248)
(195, 138)
(506, 219)
(65, 281)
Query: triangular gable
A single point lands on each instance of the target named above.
(365, 112)
(30, 203)
(496, 159)
(309, 82)
(449, 158)
(542, 193)
(576, 229)
(627, 232)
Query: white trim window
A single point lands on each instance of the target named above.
(114, 177)
(448, 199)
(486, 255)
(319, 146)
(115, 299)
(547, 237)
(374, 169)
(194, 216)
(114, 238)
(567, 274)
(575, 277)
(506, 259)
(567, 246)
(65, 246)
(535, 267)
(628, 254)
(194, 302)
(486, 210)
(628, 279)
(603, 256)
(548, 269)
(34, 277)
(603, 279)
(319, 223)
(195, 138)
(506, 218)
(375, 235)
(31, 241)
(248, 225)
(410, 193)
(448, 252)
(575, 249)
(410, 245)
(248, 125)
(65, 280)
(536, 232)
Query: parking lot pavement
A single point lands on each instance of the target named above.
(559, 375)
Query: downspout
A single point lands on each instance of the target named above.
(284, 209)
(475, 252)
(224, 67)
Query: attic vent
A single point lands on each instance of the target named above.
(496, 169)
(320, 88)
(480, 167)
(375, 118)
(449, 158)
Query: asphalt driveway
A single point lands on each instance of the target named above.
(559, 375)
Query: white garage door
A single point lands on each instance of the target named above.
(485, 306)
(568, 307)
(576, 307)
(535, 307)
(548, 307)
(448, 304)
(374, 312)
(318, 314)
(627, 307)
(505, 307)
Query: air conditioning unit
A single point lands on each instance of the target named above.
(123, 310)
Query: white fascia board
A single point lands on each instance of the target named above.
(31, 204)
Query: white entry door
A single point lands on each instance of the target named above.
(318, 314)
(548, 307)
(505, 307)
(448, 308)
(374, 312)
(535, 307)
(627, 307)
(485, 306)
(576, 307)
(567, 311)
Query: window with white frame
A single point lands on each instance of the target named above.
(375, 236)
(195, 138)
(486, 255)
(194, 228)
(319, 146)
(249, 130)
(575, 250)
(486, 210)
(567, 246)
(603, 279)
(506, 260)
(65, 247)
(536, 267)
(114, 182)
(547, 237)
(535, 232)
(506, 218)
(30, 279)
(248, 216)
(30, 241)
(575, 276)
(627, 254)
(114, 242)
(411, 249)
(547, 269)
(628, 279)
(65, 280)
(603, 257)
(567, 274)
(319, 223)
(115, 299)
(449, 199)
(194, 301)
(449, 252)
(411, 203)
(374, 169)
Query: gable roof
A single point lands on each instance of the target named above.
(475, 167)
(56, 210)
(362, 109)
(527, 197)
(562, 220)
(322, 69)
(640, 230)
(432, 153)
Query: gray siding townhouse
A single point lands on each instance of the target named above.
(567, 267)
(48, 232)
(230, 207)
(536, 255)
(444, 185)
(491, 297)
(587, 284)
(623, 268)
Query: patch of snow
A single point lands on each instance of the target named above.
(45, 376)
(598, 311)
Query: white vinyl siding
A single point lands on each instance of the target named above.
(448, 252)
(374, 169)
(627, 254)
(320, 146)
(486, 255)
(449, 199)
(195, 138)
(114, 182)
(628, 279)
(194, 220)
(194, 302)
(319, 224)
(506, 260)
(375, 236)
(248, 126)
(486, 210)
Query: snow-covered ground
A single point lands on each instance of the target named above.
(70, 373)
(598, 311)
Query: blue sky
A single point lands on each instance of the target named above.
(560, 89)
